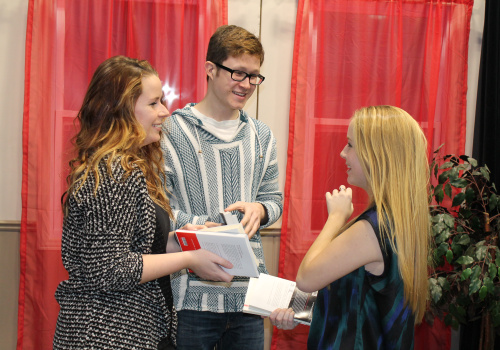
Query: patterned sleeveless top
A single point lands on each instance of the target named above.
(364, 311)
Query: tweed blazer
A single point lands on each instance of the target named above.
(103, 305)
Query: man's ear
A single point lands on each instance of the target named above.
(210, 69)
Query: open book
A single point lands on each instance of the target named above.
(268, 293)
(229, 242)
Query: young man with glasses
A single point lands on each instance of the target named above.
(220, 159)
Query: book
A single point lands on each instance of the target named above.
(229, 242)
(228, 218)
(268, 293)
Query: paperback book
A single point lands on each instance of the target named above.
(229, 242)
(268, 293)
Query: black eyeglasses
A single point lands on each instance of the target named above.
(238, 75)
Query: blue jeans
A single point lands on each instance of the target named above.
(203, 330)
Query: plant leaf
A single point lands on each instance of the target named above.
(459, 183)
(449, 256)
(435, 290)
(443, 282)
(446, 165)
(474, 286)
(438, 228)
(466, 213)
(447, 190)
(464, 239)
(470, 195)
(466, 260)
(488, 283)
(438, 193)
(444, 176)
(493, 201)
(437, 149)
(466, 274)
(443, 237)
(472, 161)
(476, 272)
(492, 270)
(459, 198)
(481, 251)
(448, 220)
(485, 172)
(482, 292)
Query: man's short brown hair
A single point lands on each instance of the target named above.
(231, 40)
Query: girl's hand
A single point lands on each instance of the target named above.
(192, 227)
(283, 319)
(207, 265)
(210, 224)
(340, 202)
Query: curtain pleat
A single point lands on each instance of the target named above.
(66, 40)
(354, 53)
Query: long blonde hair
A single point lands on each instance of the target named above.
(109, 130)
(392, 150)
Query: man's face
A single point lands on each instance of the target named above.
(235, 94)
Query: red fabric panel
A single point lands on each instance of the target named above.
(435, 337)
(66, 40)
(354, 53)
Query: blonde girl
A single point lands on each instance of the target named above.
(372, 270)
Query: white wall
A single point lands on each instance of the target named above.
(475, 39)
(12, 40)
(271, 102)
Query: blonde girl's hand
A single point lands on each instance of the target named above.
(340, 202)
(283, 319)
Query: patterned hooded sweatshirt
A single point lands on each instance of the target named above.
(205, 175)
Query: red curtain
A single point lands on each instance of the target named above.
(354, 53)
(66, 41)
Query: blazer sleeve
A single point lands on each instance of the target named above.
(112, 229)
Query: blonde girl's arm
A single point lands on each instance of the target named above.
(333, 256)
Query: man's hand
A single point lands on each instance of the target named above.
(254, 214)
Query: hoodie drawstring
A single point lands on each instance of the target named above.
(257, 137)
(198, 138)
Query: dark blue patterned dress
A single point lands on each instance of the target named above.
(364, 311)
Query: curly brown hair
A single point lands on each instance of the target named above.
(109, 130)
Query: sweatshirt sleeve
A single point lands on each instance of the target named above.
(269, 194)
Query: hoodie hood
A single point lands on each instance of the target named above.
(187, 114)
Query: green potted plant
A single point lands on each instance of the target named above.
(464, 281)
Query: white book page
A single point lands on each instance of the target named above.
(271, 293)
(235, 248)
(235, 228)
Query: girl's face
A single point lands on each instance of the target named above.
(149, 110)
(355, 175)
